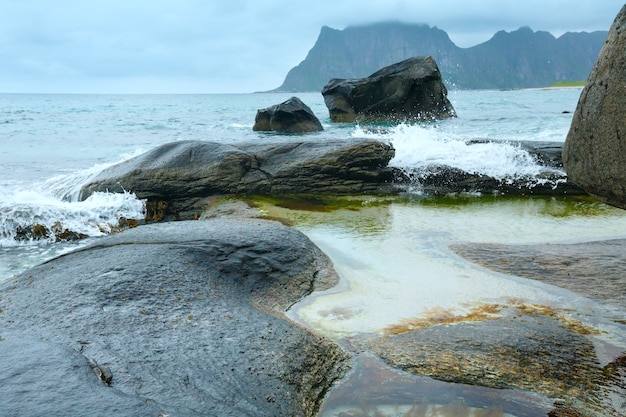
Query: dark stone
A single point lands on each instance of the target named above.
(593, 269)
(527, 350)
(178, 177)
(42, 378)
(594, 153)
(32, 232)
(291, 116)
(180, 319)
(408, 90)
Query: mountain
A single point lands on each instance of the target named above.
(518, 59)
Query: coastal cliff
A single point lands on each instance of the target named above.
(518, 59)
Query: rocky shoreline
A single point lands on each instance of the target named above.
(178, 319)
(187, 318)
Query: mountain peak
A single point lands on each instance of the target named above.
(517, 59)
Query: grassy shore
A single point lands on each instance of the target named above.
(560, 84)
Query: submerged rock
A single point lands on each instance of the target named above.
(177, 178)
(592, 269)
(524, 348)
(178, 319)
(291, 116)
(408, 90)
(594, 153)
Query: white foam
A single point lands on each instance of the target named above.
(95, 216)
(67, 186)
(55, 202)
(420, 146)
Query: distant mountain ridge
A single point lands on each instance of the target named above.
(518, 59)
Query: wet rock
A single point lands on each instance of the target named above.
(593, 269)
(176, 179)
(533, 352)
(63, 234)
(179, 319)
(291, 116)
(441, 180)
(408, 90)
(32, 232)
(594, 153)
(44, 378)
(444, 180)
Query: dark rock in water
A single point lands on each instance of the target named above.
(594, 153)
(180, 319)
(593, 269)
(291, 116)
(42, 232)
(408, 90)
(525, 349)
(176, 178)
(32, 232)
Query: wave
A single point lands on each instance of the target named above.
(51, 209)
(30, 217)
(419, 147)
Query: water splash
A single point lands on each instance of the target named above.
(420, 147)
(54, 205)
(95, 216)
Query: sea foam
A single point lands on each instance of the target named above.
(55, 204)
(420, 146)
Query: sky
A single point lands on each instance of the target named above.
(229, 46)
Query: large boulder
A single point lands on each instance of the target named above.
(180, 319)
(176, 178)
(594, 153)
(408, 90)
(291, 116)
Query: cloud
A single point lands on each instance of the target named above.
(234, 46)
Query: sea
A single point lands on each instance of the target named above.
(52, 144)
(393, 260)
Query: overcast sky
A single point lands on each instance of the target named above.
(229, 46)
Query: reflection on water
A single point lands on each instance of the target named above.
(374, 390)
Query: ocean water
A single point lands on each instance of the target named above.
(52, 144)
(394, 259)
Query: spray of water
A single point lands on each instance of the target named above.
(420, 147)
(34, 215)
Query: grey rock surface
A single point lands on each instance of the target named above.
(180, 318)
(179, 176)
(408, 90)
(594, 153)
(290, 116)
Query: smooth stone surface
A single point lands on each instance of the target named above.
(594, 153)
(185, 318)
(535, 352)
(593, 269)
(177, 178)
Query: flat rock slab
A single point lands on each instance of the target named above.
(593, 269)
(534, 352)
(177, 178)
(178, 319)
